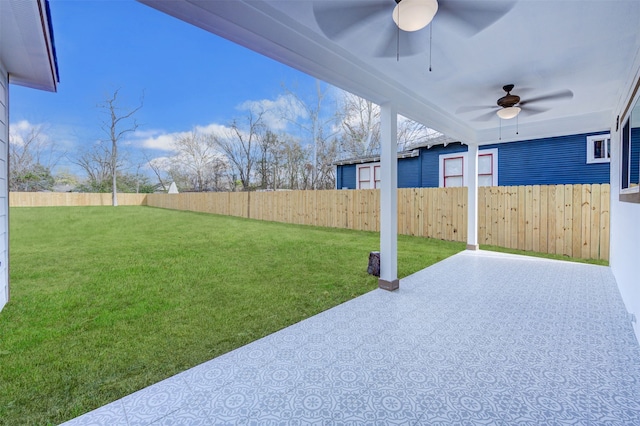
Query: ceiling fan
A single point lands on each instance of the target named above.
(510, 105)
(398, 21)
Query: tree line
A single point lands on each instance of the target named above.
(291, 145)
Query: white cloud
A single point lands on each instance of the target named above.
(163, 141)
(213, 129)
(274, 112)
(278, 113)
(23, 125)
(23, 130)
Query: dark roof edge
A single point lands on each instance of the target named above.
(361, 160)
(47, 32)
(412, 151)
(53, 42)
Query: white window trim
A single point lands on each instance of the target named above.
(590, 141)
(444, 157)
(372, 176)
(630, 189)
(465, 162)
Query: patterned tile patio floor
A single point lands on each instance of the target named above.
(480, 338)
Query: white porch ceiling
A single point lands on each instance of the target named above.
(26, 44)
(590, 47)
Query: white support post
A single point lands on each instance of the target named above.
(388, 198)
(472, 199)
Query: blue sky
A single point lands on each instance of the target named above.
(189, 77)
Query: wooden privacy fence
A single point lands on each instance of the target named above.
(570, 220)
(58, 199)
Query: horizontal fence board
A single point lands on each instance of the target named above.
(569, 220)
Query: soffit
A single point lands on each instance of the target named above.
(26, 44)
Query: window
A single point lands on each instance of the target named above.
(630, 150)
(630, 164)
(453, 171)
(625, 167)
(369, 176)
(598, 149)
(485, 170)
(453, 168)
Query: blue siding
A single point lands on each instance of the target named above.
(430, 159)
(409, 172)
(346, 177)
(559, 160)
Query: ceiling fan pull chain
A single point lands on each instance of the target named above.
(500, 134)
(517, 125)
(398, 39)
(430, 37)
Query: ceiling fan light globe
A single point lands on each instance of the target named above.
(414, 15)
(508, 113)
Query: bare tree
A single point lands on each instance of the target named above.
(117, 124)
(291, 164)
(159, 167)
(268, 160)
(97, 165)
(32, 156)
(360, 126)
(241, 146)
(320, 124)
(198, 165)
(411, 133)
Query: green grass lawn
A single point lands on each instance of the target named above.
(105, 301)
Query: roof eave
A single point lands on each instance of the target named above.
(27, 48)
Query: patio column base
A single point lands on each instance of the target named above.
(474, 247)
(389, 285)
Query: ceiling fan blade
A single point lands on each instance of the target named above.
(486, 116)
(411, 43)
(472, 16)
(534, 110)
(562, 94)
(338, 18)
(473, 108)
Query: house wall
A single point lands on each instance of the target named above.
(625, 237)
(409, 173)
(4, 193)
(625, 254)
(549, 161)
(430, 162)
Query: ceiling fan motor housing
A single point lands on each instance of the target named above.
(508, 100)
